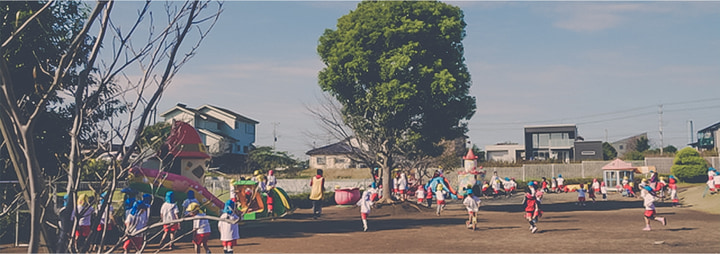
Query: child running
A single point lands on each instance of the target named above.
(472, 203)
(672, 185)
(581, 195)
(229, 232)
(135, 221)
(201, 227)
(169, 212)
(440, 196)
(648, 195)
(532, 210)
(365, 205)
(420, 194)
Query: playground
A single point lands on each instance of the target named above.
(605, 226)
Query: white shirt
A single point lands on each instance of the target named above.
(228, 231)
(203, 225)
(365, 205)
(581, 193)
(472, 203)
(271, 181)
(85, 218)
(402, 184)
(560, 181)
(103, 219)
(596, 185)
(648, 200)
(420, 193)
(440, 195)
(169, 211)
(139, 220)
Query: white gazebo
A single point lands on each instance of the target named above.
(615, 171)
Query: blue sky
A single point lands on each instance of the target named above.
(605, 66)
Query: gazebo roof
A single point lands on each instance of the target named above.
(619, 164)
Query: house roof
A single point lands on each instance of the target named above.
(197, 111)
(217, 135)
(619, 164)
(237, 116)
(332, 149)
(711, 127)
(625, 140)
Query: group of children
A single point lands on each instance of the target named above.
(137, 218)
(650, 191)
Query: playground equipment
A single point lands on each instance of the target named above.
(615, 171)
(180, 166)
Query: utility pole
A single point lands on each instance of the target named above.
(660, 113)
(275, 124)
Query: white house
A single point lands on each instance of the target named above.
(507, 152)
(221, 130)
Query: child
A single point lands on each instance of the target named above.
(365, 205)
(402, 187)
(420, 194)
(229, 232)
(660, 188)
(201, 227)
(646, 192)
(581, 195)
(169, 212)
(603, 190)
(135, 221)
(591, 191)
(440, 196)
(561, 183)
(105, 221)
(532, 210)
(672, 185)
(553, 184)
(472, 203)
(82, 214)
(189, 200)
(595, 186)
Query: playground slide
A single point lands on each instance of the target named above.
(432, 186)
(142, 178)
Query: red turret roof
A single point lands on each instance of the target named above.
(470, 155)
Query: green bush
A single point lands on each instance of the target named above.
(689, 167)
(303, 201)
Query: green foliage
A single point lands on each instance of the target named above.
(479, 153)
(609, 151)
(264, 158)
(670, 149)
(154, 136)
(94, 170)
(303, 201)
(688, 166)
(634, 156)
(642, 144)
(398, 70)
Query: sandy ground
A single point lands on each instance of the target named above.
(605, 226)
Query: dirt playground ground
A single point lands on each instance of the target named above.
(613, 226)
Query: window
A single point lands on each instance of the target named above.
(245, 149)
(621, 147)
(218, 125)
(320, 160)
(340, 160)
(587, 153)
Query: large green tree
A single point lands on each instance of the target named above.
(397, 69)
(689, 166)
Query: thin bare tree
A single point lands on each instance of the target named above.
(157, 54)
